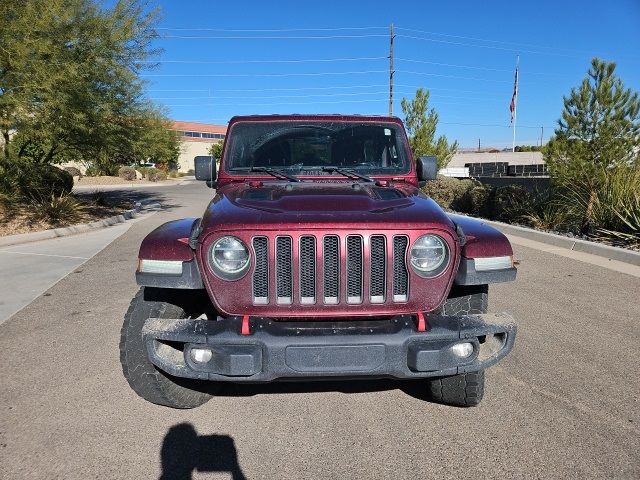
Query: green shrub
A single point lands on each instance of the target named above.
(127, 173)
(191, 172)
(73, 171)
(512, 202)
(157, 176)
(57, 208)
(447, 191)
(173, 174)
(7, 206)
(549, 216)
(92, 171)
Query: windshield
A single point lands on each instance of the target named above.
(305, 147)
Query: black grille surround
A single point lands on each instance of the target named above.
(333, 269)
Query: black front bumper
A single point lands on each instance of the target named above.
(359, 348)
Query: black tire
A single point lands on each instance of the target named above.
(144, 378)
(466, 300)
(464, 390)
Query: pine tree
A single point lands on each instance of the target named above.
(421, 124)
(598, 132)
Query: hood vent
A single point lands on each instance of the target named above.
(387, 193)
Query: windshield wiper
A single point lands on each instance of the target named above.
(347, 172)
(274, 172)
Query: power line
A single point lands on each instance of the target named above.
(353, 94)
(452, 76)
(453, 65)
(381, 100)
(527, 45)
(313, 74)
(268, 37)
(333, 29)
(491, 125)
(336, 87)
(240, 62)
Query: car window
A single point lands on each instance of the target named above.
(305, 147)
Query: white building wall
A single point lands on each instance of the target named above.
(189, 150)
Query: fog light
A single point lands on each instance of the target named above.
(201, 355)
(462, 350)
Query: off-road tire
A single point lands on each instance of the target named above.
(144, 378)
(466, 300)
(464, 390)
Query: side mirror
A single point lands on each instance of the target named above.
(206, 169)
(427, 169)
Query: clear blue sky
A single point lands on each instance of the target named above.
(464, 52)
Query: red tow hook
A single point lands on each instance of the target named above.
(244, 330)
(422, 323)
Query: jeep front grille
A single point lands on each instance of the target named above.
(284, 279)
(400, 273)
(261, 272)
(307, 271)
(331, 269)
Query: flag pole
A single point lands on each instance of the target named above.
(515, 104)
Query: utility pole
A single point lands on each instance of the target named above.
(541, 134)
(391, 70)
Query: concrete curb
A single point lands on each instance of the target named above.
(578, 245)
(75, 229)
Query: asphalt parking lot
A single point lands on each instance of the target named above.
(564, 404)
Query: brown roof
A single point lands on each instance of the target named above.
(198, 127)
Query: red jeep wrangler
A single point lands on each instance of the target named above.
(319, 257)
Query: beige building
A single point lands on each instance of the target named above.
(196, 139)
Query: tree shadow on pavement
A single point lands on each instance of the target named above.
(130, 196)
(184, 452)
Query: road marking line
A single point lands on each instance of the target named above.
(43, 254)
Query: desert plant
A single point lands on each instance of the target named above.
(57, 208)
(127, 173)
(549, 216)
(512, 202)
(157, 176)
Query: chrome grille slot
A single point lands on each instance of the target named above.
(378, 269)
(307, 269)
(354, 269)
(331, 263)
(284, 278)
(261, 272)
(400, 273)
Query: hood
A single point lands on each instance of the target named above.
(329, 204)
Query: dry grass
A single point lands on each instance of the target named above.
(26, 218)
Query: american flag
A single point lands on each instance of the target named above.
(514, 98)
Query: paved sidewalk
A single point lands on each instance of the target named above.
(28, 270)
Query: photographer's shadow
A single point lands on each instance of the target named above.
(184, 452)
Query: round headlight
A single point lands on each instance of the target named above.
(229, 258)
(429, 255)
